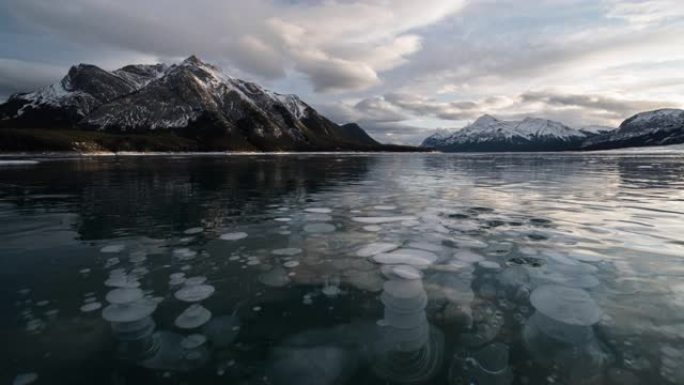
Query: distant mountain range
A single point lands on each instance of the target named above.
(186, 106)
(660, 127)
(653, 128)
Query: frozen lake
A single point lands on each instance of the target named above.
(343, 269)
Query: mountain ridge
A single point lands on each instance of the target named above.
(192, 99)
(650, 128)
(488, 133)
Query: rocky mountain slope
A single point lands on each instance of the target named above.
(490, 134)
(652, 128)
(192, 100)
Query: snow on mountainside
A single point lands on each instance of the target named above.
(191, 98)
(86, 86)
(651, 128)
(490, 134)
(596, 130)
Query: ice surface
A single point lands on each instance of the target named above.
(25, 379)
(290, 251)
(319, 228)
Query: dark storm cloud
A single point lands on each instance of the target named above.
(20, 76)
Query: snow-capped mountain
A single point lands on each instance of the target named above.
(193, 99)
(490, 134)
(596, 130)
(652, 128)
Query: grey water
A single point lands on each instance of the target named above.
(343, 269)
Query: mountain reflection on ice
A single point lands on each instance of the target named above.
(341, 269)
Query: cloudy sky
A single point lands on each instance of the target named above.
(401, 68)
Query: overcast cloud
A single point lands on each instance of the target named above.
(401, 68)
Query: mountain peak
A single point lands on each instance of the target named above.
(192, 59)
(192, 99)
(485, 119)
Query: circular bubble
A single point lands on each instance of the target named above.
(376, 248)
(233, 236)
(193, 317)
(194, 293)
(129, 312)
(566, 305)
(122, 296)
(414, 257)
(193, 341)
(193, 231)
(318, 210)
(290, 251)
(91, 306)
(194, 281)
(111, 249)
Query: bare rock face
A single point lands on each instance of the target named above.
(192, 99)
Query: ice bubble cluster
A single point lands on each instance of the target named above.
(233, 236)
(380, 220)
(193, 317)
(376, 248)
(404, 272)
(129, 312)
(414, 257)
(318, 210)
(194, 281)
(193, 341)
(425, 246)
(176, 279)
(193, 231)
(290, 251)
(25, 379)
(90, 307)
(372, 228)
(112, 249)
(124, 295)
(566, 305)
(671, 364)
(276, 277)
(194, 293)
(470, 256)
(119, 278)
(184, 253)
(110, 262)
